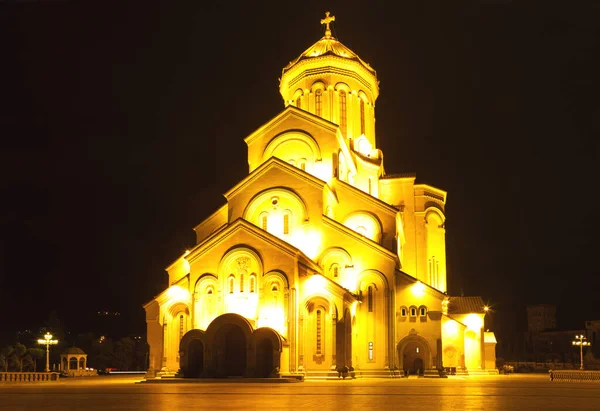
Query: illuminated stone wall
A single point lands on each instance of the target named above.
(317, 253)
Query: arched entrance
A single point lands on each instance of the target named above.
(414, 354)
(195, 358)
(417, 366)
(264, 358)
(267, 344)
(192, 348)
(230, 346)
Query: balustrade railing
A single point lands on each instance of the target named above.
(574, 375)
(28, 376)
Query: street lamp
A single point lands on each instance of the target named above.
(579, 340)
(47, 341)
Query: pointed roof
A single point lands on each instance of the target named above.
(329, 45)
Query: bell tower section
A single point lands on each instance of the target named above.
(332, 82)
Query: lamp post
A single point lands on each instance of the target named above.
(47, 341)
(579, 340)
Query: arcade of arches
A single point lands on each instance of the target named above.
(318, 259)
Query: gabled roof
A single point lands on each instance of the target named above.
(382, 205)
(429, 289)
(465, 305)
(241, 224)
(360, 238)
(291, 111)
(271, 163)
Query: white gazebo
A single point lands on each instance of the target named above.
(73, 362)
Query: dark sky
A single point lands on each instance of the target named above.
(122, 124)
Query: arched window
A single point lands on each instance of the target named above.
(413, 312)
(298, 102)
(181, 327)
(231, 278)
(318, 331)
(422, 311)
(252, 283)
(370, 298)
(403, 312)
(343, 111)
(362, 116)
(434, 267)
(241, 282)
(209, 291)
(263, 222)
(286, 223)
(318, 99)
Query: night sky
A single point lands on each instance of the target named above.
(122, 125)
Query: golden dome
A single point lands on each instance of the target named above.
(328, 45)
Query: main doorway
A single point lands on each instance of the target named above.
(230, 345)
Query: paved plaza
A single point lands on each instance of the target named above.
(512, 392)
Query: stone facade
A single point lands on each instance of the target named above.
(318, 259)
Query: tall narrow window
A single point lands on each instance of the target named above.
(286, 223)
(362, 116)
(370, 350)
(370, 297)
(180, 327)
(370, 183)
(252, 283)
(264, 222)
(336, 270)
(430, 266)
(241, 283)
(298, 102)
(318, 331)
(318, 99)
(165, 340)
(231, 285)
(343, 111)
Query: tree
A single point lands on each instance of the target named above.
(19, 354)
(5, 355)
(124, 353)
(36, 354)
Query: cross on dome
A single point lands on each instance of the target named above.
(328, 19)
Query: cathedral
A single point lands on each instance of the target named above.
(318, 259)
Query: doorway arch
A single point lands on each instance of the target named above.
(268, 345)
(195, 358)
(414, 354)
(264, 358)
(229, 336)
(192, 349)
(230, 343)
